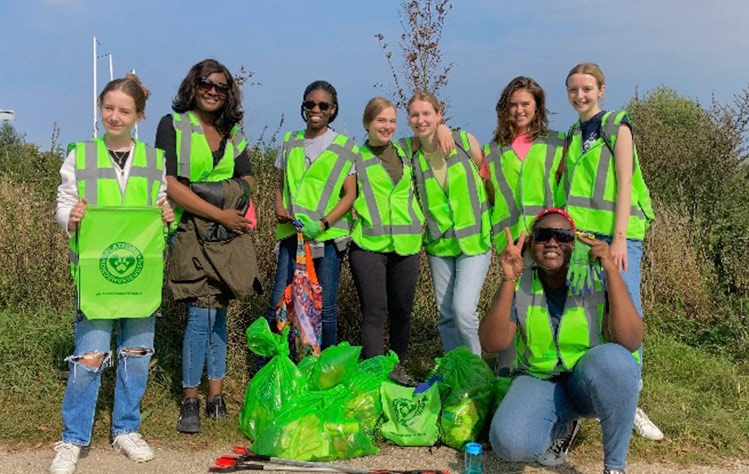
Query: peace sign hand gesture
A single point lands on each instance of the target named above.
(511, 258)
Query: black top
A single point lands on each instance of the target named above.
(390, 160)
(591, 129)
(166, 139)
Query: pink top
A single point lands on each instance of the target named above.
(521, 144)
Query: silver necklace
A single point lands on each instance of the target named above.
(120, 157)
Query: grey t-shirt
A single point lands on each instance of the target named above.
(313, 147)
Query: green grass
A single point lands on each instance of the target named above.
(700, 400)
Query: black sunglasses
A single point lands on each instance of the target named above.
(205, 85)
(562, 236)
(310, 104)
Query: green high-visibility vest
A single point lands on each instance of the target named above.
(457, 219)
(194, 156)
(310, 193)
(541, 352)
(389, 219)
(96, 180)
(589, 190)
(522, 188)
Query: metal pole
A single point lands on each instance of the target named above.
(136, 123)
(111, 69)
(94, 86)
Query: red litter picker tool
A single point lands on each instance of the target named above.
(245, 460)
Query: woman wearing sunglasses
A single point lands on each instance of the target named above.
(458, 235)
(202, 143)
(603, 188)
(575, 353)
(316, 189)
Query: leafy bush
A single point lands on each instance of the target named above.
(695, 280)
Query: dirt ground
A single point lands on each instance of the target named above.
(172, 461)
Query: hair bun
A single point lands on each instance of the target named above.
(131, 76)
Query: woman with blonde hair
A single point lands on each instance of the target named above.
(603, 188)
(458, 234)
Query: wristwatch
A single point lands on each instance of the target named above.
(325, 224)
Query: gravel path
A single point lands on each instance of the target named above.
(172, 461)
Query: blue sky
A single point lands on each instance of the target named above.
(698, 48)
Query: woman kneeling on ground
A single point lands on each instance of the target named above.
(574, 353)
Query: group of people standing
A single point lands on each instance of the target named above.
(383, 201)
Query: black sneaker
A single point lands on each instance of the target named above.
(216, 408)
(556, 455)
(399, 375)
(189, 416)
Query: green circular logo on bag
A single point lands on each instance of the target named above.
(408, 411)
(121, 263)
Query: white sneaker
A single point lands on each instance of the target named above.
(65, 459)
(557, 452)
(133, 446)
(645, 428)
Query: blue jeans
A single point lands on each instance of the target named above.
(535, 412)
(632, 277)
(328, 269)
(204, 345)
(457, 287)
(134, 351)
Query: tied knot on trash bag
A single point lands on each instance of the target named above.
(471, 389)
(278, 382)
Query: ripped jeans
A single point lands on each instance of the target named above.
(134, 351)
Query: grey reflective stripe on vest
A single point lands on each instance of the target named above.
(150, 172)
(236, 140)
(551, 142)
(378, 229)
(590, 304)
(289, 145)
(599, 188)
(525, 298)
(504, 189)
(185, 144)
(434, 229)
(477, 207)
(345, 154)
(73, 257)
(91, 173)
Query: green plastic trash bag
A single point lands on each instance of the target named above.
(333, 366)
(274, 385)
(410, 419)
(364, 386)
(313, 428)
(470, 396)
(306, 365)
